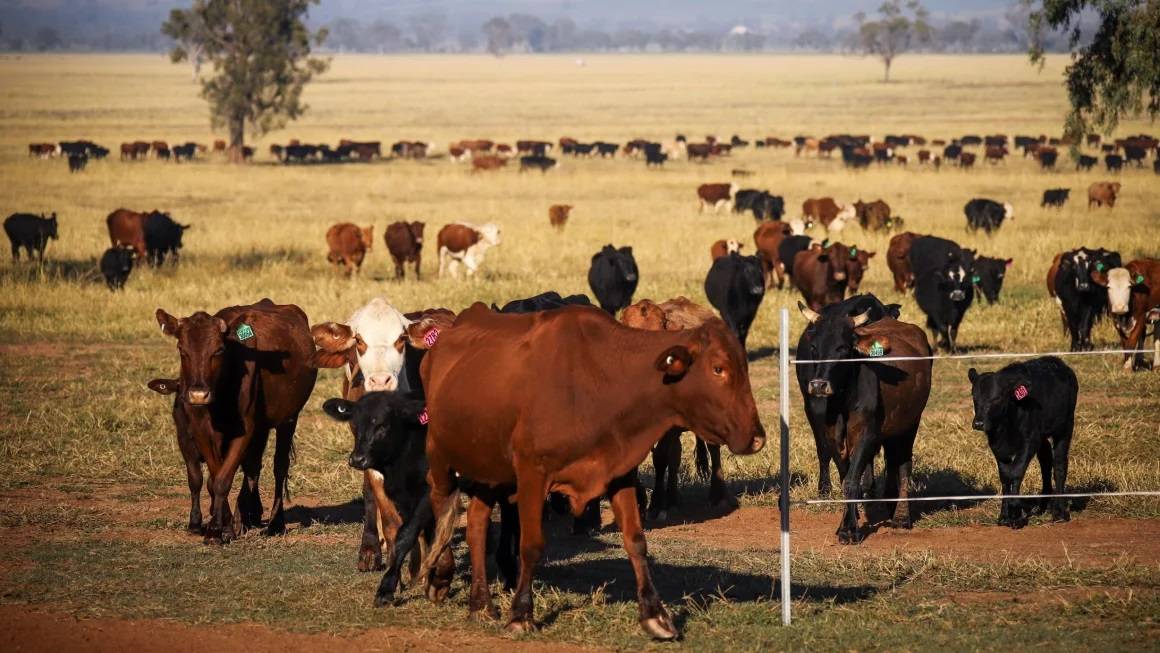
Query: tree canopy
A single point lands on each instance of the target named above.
(894, 32)
(1117, 74)
(260, 56)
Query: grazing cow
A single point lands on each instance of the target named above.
(715, 195)
(735, 286)
(1047, 157)
(465, 243)
(766, 239)
(724, 248)
(487, 162)
(987, 215)
(1103, 193)
(859, 407)
(695, 378)
(675, 315)
(942, 286)
(966, 160)
(826, 211)
(1027, 409)
(655, 157)
(42, 150)
(1055, 197)
(558, 215)
(534, 162)
(30, 232)
(404, 242)
(1134, 292)
(540, 148)
(761, 203)
(153, 235)
(116, 264)
(988, 276)
(923, 157)
(1074, 280)
(898, 260)
(1114, 162)
(874, 216)
(613, 277)
(390, 438)
(605, 150)
(369, 347)
(349, 244)
(1085, 162)
(822, 273)
(244, 371)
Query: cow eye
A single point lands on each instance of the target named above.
(718, 370)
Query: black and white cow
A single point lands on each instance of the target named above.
(613, 277)
(1082, 300)
(735, 286)
(1027, 410)
(942, 285)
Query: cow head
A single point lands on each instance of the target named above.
(51, 225)
(645, 314)
(202, 340)
(1081, 261)
(124, 255)
(710, 376)
(416, 229)
(988, 274)
(836, 335)
(619, 262)
(732, 245)
(835, 257)
(489, 233)
(373, 341)
(955, 280)
(381, 422)
(857, 262)
(993, 396)
(1008, 211)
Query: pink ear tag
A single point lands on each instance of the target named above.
(430, 337)
(1021, 392)
(423, 417)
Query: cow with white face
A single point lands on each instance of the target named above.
(369, 347)
(1134, 302)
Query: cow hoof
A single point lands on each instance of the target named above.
(1018, 523)
(1060, 516)
(369, 560)
(195, 528)
(521, 625)
(901, 523)
(849, 536)
(437, 594)
(660, 627)
(383, 600)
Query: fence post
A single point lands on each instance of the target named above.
(783, 368)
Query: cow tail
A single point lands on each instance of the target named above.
(445, 524)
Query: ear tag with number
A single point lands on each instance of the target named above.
(876, 350)
(1020, 393)
(424, 417)
(430, 337)
(244, 332)
(1139, 278)
(1099, 267)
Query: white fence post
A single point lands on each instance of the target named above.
(783, 368)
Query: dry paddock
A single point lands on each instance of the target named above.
(91, 489)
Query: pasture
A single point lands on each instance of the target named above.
(92, 493)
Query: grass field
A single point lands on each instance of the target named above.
(91, 484)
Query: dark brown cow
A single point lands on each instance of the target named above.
(857, 262)
(244, 371)
(923, 157)
(487, 162)
(898, 260)
(219, 145)
(1134, 291)
(501, 437)
(405, 243)
(128, 228)
(349, 244)
(558, 215)
(820, 273)
(724, 248)
(966, 160)
(42, 150)
(698, 151)
(1103, 193)
(873, 216)
(715, 195)
(767, 238)
(995, 153)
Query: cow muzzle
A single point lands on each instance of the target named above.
(358, 461)
(198, 397)
(820, 388)
(839, 276)
(381, 382)
(958, 296)
(978, 425)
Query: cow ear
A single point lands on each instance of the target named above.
(163, 386)
(1008, 262)
(870, 254)
(339, 409)
(412, 410)
(873, 345)
(167, 322)
(241, 332)
(626, 250)
(972, 375)
(674, 361)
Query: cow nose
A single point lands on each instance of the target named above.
(381, 382)
(957, 296)
(358, 461)
(630, 277)
(839, 276)
(820, 388)
(977, 425)
(758, 442)
(198, 397)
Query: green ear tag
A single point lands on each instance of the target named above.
(1139, 278)
(876, 350)
(244, 332)
(826, 243)
(853, 252)
(976, 279)
(1099, 267)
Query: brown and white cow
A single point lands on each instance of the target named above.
(558, 215)
(465, 243)
(369, 347)
(832, 215)
(349, 244)
(1133, 293)
(716, 196)
(405, 243)
(725, 248)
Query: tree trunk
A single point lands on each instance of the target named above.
(887, 61)
(237, 139)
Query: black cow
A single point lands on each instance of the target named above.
(606, 149)
(544, 301)
(1086, 162)
(613, 277)
(1055, 197)
(1114, 162)
(987, 215)
(763, 204)
(1082, 301)
(1047, 159)
(390, 440)
(116, 264)
(654, 157)
(988, 276)
(533, 162)
(942, 285)
(77, 162)
(735, 286)
(789, 248)
(97, 152)
(952, 151)
(299, 153)
(162, 237)
(1135, 154)
(186, 151)
(30, 232)
(1027, 409)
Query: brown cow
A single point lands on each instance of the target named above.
(558, 215)
(1103, 192)
(820, 273)
(219, 145)
(349, 244)
(873, 216)
(898, 260)
(405, 243)
(487, 162)
(159, 147)
(465, 243)
(700, 151)
(724, 248)
(523, 431)
(46, 150)
(1134, 291)
(857, 262)
(127, 228)
(826, 211)
(767, 238)
(966, 160)
(715, 195)
(244, 371)
(995, 153)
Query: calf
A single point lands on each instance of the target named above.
(390, 439)
(761, 203)
(535, 162)
(724, 248)
(465, 243)
(613, 277)
(1114, 162)
(30, 232)
(655, 157)
(859, 406)
(487, 162)
(820, 273)
(1085, 162)
(987, 215)
(116, 264)
(735, 286)
(404, 242)
(1055, 197)
(1134, 294)
(898, 260)
(1103, 192)
(874, 216)
(1075, 281)
(1027, 409)
(715, 195)
(349, 244)
(988, 276)
(369, 347)
(558, 215)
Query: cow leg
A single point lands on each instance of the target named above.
(848, 532)
(444, 500)
(249, 506)
(507, 558)
(899, 460)
(530, 494)
(221, 527)
(283, 447)
(193, 470)
(419, 522)
(652, 614)
(1045, 465)
(442, 261)
(398, 267)
(1011, 476)
(666, 458)
(15, 251)
(417, 263)
(479, 510)
(370, 551)
(719, 495)
(1059, 510)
